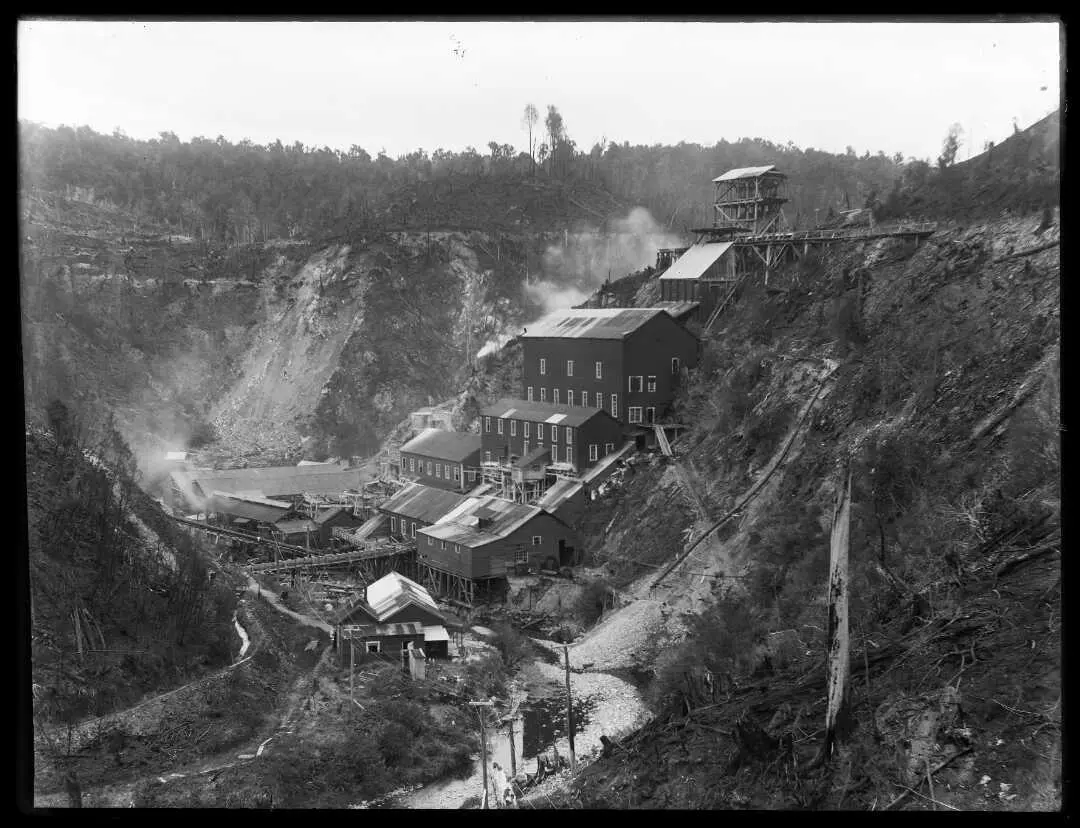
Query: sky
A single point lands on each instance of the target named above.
(399, 86)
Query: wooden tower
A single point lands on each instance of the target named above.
(750, 201)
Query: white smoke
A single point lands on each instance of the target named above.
(579, 263)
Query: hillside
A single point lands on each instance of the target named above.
(933, 377)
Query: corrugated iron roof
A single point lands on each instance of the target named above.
(258, 509)
(272, 480)
(326, 515)
(541, 412)
(420, 502)
(461, 525)
(591, 323)
(394, 592)
(533, 455)
(292, 527)
(447, 445)
(357, 603)
(744, 172)
(696, 260)
(436, 632)
(678, 309)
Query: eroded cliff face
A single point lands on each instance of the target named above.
(269, 352)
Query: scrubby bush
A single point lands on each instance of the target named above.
(593, 600)
(511, 644)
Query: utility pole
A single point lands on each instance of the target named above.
(569, 714)
(513, 758)
(483, 745)
(352, 665)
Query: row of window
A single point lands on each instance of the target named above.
(405, 530)
(599, 368)
(594, 450)
(526, 424)
(638, 384)
(537, 540)
(634, 413)
(570, 399)
(436, 469)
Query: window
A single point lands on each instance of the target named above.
(527, 424)
(652, 385)
(438, 470)
(430, 542)
(555, 395)
(570, 397)
(403, 460)
(635, 413)
(487, 456)
(543, 395)
(554, 434)
(650, 414)
(570, 454)
(594, 452)
(429, 468)
(569, 367)
(487, 424)
(412, 530)
(528, 394)
(521, 554)
(393, 525)
(584, 398)
(615, 406)
(599, 370)
(599, 400)
(470, 475)
(525, 447)
(457, 472)
(442, 545)
(498, 425)
(543, 366)
(513, 428)
(675, 365)
(412, 464)
(608, 448)
(372, 646)
(569, 434)
(635, 383)
(537, 540)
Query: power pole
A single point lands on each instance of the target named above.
(483, 745)
(352, 665)
(569, 714)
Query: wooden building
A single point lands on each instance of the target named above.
(417, 506)
(627, 361)
(444, 459)
(488, 538)
(327, 520)
(520, 433)
(396, 613)
(703, 274)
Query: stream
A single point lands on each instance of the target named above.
(246, 642)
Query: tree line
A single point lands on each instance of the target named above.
(241, 193)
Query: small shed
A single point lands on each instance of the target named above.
(329, 519)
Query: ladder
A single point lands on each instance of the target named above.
(662, 439)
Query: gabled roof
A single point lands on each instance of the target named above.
(447, 445)
(329, 514)
(463, 524)
(534, 454)
(356, 604)
(744, 172)
(419, 502)
(542, 412)
(393, 592)
(678, 309)
(696, 260)
(591, 323)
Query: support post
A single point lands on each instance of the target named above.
(569, 713)
(483, 746)
(352, 664)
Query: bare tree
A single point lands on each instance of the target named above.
(529, 120)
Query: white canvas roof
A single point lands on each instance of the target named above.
(696, 260)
